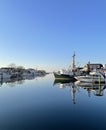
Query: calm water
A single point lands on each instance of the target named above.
(41, 104)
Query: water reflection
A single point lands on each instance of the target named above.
(96, 89)
(15, 81)
(11, 82)
(67, 83)
(38, 105)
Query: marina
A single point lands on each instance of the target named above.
(93, 73)
(53, 65)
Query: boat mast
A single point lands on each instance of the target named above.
(72, 66)
(73, 61)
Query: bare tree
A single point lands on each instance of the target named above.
(12, 65)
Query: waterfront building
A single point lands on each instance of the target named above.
(91, 67)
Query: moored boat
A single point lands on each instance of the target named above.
(66, 74)
(93, 77)
(63, 76)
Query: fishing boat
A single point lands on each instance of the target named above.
(62, 74)
(66, 74)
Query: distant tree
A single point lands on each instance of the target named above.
(20, 67)
(12, 65)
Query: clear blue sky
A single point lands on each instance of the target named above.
(45, 33)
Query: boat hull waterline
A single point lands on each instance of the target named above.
(64, 76)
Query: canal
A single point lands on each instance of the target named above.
(44, 104)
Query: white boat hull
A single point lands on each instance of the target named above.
(90, 79)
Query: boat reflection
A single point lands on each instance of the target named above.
(96, 89)
(67, 83)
